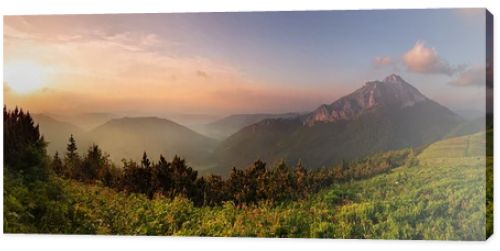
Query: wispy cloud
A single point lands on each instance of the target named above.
(381, 61)
(474, 76)
(93, 69)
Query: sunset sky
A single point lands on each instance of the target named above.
(223, 63)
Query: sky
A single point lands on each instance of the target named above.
(243, 62)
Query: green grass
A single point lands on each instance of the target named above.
(443, 197)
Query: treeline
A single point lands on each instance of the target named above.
(24, 147)
(29, 194)
(25, 155)
(255, 183)
(387, 206)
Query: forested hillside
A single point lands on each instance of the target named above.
(436, 193)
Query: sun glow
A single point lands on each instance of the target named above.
(24, 77)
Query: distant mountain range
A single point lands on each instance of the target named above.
(85, 121)
(231, 124)
(56, 132)
(128, 138)
(380, 116)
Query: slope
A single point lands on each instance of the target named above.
(227, 126)
(443, 197)
(129, 137)
(56, 132)
(380, 116)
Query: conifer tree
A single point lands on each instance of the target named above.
(72, 159)
(93, 164)
(24, 147)
(164, 175)
(71, 148)
(145, 161)
(57, 165)
(301, 179)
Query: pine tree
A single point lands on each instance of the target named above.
(72, 159)
(111, 176)
(164, 176)
(71, 149)
(93, 164)
(236, 184)
(183, 177)
(215, 190)
(145, 161)
(301, 180)
(57, 165)
(24, 147)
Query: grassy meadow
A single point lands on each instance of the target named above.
(442, 197)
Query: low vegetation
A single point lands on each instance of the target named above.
(438, 193)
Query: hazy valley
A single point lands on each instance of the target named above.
(380, 116)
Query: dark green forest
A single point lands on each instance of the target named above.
(435, 192)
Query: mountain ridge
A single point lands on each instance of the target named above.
(379, 116)
(228, 125)
(128, 137)
(56, 132)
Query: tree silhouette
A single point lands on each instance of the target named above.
(93, 164)
(72, 159)
(24, 147)
(145, 161)
(164, 175)
(57, 165)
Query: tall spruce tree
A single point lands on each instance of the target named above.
(93, 164)
(72, 159)
(57, 165)
(145, 162)
(71, 149)
(24, 147)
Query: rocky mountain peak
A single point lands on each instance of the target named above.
(392, 91)
(394, 78)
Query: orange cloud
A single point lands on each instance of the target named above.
(95, 71)
(425, 60)
(475, 76)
